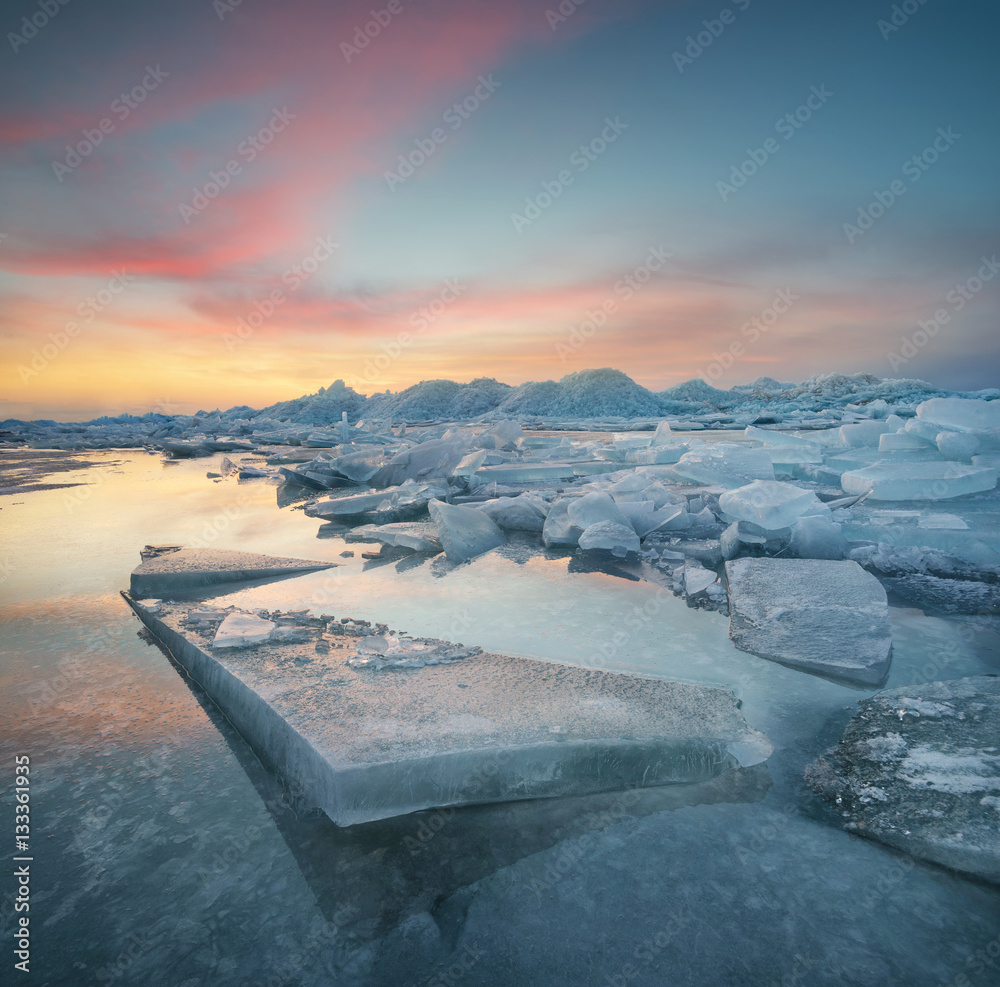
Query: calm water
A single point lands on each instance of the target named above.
(165, 854)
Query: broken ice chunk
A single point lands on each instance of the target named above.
(727, 464)
(594, 507)
(242, 630)
(918, 481)
(945, 522)
(771, 504)
(358, 466)
(930, 752)
(958, 445)
(669, 517)
(663, 436)
(829, 617)
(559, 529)
(960, 414)
(697, 579)
(901, 442)
(503, 435)
(464, 531)
(865, 433)
(434, 458)
(514, 513)
(818, 538)
(609, 536)
(184, 569)
(469, 463)
(419, 536)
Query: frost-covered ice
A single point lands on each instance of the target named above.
(176, 569)
(829, 617)
(374, 725)
(919, 768)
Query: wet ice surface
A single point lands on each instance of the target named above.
(163, 846)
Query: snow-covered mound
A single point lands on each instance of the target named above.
(439, 399)
(586, 399)
(695, 395)
(588, 394)
(321, 408)
(837, 390)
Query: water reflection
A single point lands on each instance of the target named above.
(156, 824)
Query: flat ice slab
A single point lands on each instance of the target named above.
(368, 742)
(918, 481)
(961, 414)
(176, 570)
(824, 616)
(919, 768)
(727, 464)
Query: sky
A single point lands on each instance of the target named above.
(207, 204)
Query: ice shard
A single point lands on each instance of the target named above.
(464, 531)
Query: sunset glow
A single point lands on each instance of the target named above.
(211, 205)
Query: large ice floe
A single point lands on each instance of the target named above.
(370, 724)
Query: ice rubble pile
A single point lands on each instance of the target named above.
(866, 491)
(598, 399)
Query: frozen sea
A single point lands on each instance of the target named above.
(164, 853)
